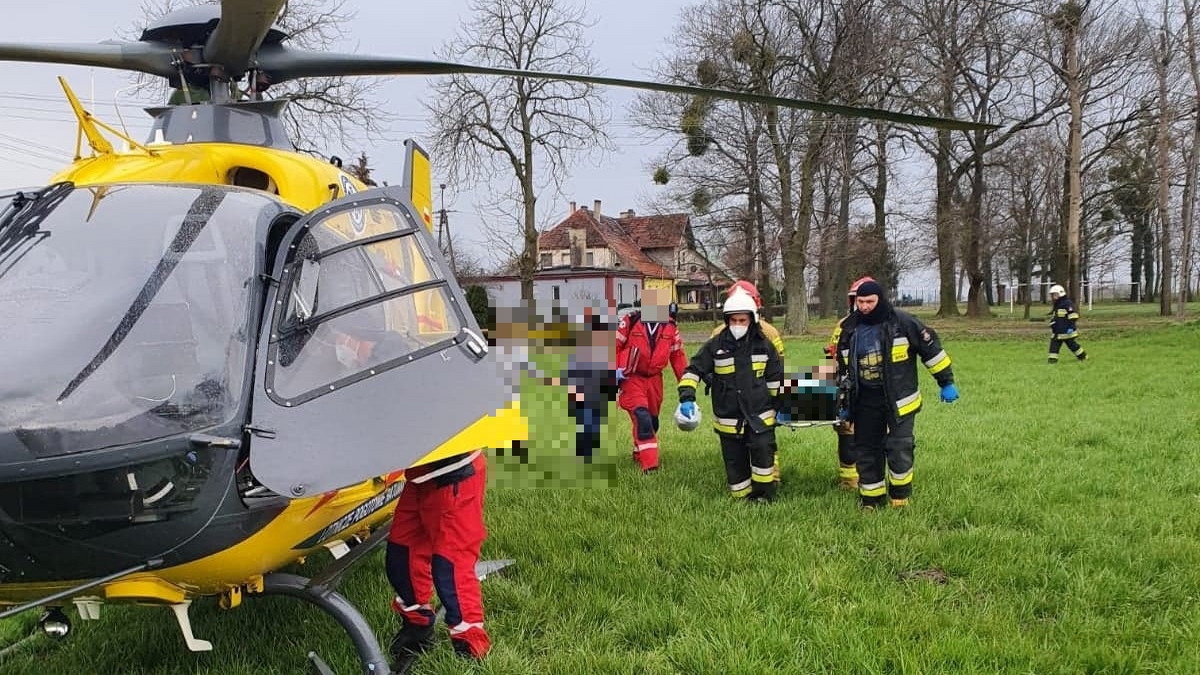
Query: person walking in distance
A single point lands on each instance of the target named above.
(1062, 325)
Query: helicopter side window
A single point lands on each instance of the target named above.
(352, 309)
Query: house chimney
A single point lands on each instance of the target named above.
(572, 208)
(596, 208)
(628, 214)
(578, 241)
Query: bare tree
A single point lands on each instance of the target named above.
(324, 112)
(1163, 55)
(1193, 154)
(486, 127)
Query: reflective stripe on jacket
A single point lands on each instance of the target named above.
(1063, 318)
(745, 376)
(905, 339)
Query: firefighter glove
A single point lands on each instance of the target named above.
(949, 393)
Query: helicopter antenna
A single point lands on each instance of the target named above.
(117, 107)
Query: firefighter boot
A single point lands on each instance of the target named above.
(848, 477)
(899, 503)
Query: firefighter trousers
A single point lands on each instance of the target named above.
(1072, 344)
(749, 463)
(434, 542)
(883, 445)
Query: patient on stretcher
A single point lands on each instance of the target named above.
(810, 396)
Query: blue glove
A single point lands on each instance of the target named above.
(688, 408)
(844, 414)
(620, 375)
(782, 416)
(949, 393)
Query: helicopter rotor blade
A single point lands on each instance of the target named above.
(240, 33)
(282, 64)
(143, 57)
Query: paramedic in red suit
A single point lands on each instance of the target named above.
(646, 342)
(437, 531)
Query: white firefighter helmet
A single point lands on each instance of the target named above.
(741, 302)
(687, 423)
(1056, 289)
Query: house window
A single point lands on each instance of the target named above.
(591, 259)
(547, 259)
(556, 297)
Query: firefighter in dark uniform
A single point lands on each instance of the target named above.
(1062, 324)
(434, 543)
(847, 460)
(744, 372)
(877, 369)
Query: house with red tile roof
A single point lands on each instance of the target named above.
(660, 248)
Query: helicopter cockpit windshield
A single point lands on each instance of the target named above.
(124, 313)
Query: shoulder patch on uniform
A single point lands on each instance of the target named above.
(925, 335)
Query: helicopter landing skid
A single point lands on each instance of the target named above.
(320, 591)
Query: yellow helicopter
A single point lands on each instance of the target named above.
(220, 354)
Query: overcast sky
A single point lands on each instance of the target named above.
(38, 131)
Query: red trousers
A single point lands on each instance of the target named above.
(434, 543)
(642, 396)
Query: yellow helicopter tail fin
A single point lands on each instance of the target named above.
(417, 179)
(431, 309)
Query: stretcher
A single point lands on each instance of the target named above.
(806, 402)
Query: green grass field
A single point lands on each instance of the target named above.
(1053, 531)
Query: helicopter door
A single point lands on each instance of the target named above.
(368, 357)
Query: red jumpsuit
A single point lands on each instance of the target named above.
(644, 355)
(434, 543)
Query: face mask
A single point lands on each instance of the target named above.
(739, 332)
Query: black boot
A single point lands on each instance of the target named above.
(412, 639)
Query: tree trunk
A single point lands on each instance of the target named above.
(1136, 254)
(948, 295)
(841, 238)
(795, 257)
(793, 276)
(1147, 287)
(1189, 210)
(1074, 152)
(976, 306)
(1164, 177)
(885, 271)
(529, 260)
